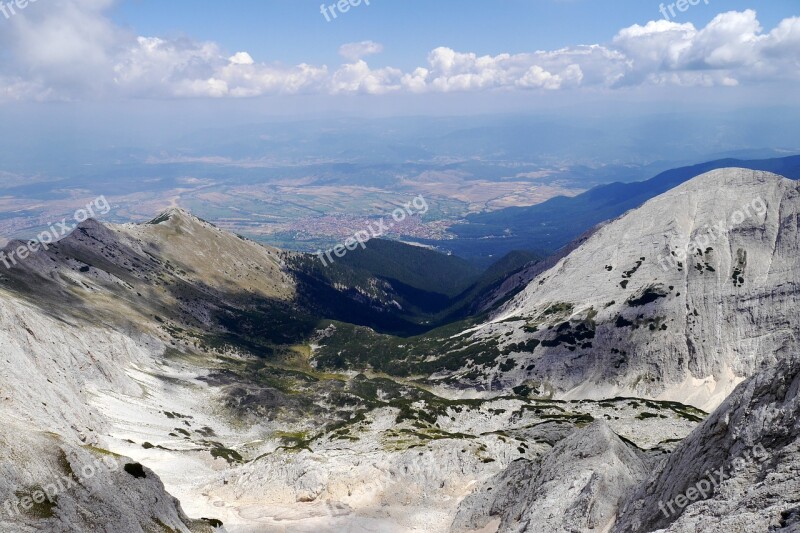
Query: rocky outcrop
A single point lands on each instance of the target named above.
(50, 484)
(56, 474)
(738, 471)
(576, 487)
(680, 299)
(116, 361)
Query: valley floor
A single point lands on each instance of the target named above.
(368, 472)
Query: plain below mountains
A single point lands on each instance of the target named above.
(555, 223)
(680, 299)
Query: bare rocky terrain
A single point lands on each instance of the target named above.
(681, 299)
(194, 370)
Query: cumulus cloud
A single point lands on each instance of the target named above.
(69, 49)
(732, 47)
(449, 70)
(359, 78)
(241, 58)
(356, 51)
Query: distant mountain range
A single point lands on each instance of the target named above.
(173, 369)
(629, 310)
(548, 226)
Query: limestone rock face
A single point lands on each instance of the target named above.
(680, 299)
(55, 474)
(575, 487)
(111, 362)
(715, 323)
(738, 471)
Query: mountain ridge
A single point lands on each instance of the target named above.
(675, 217)
(609, 318)
(204, 359)
(556, 222)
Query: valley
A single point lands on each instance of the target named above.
(418, 267)
(268, 393)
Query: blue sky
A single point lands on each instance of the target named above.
(409, 56)
(80, 74)
(294, 31)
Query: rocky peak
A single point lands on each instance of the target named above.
(680, 299)
(576, 487)
(736, 469)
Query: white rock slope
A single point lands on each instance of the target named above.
(56, 475)
(625, 314)
(738, 471)
(576, 487)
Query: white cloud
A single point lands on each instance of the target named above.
(537, 77)
(69, 49)
(449, 70)
(359, 78)
(183, 68)
(731, 48)
(241, 58)
(355, 51)
(53, 49)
